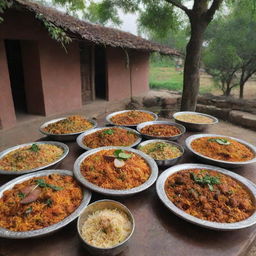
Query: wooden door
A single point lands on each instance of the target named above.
(87, 78)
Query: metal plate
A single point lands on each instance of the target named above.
(175, 137)
(197, 126)
(80, 138)
(67, 136)
(108, 117)
(222, 163)
(115, 192)
(101, 205)
(43, 231)
(55, 143)
(166, 162)
(203, 223)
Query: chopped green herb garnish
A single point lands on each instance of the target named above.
(21, 195)
(28, 210)
(109, 132)
(48, 202)
(34, 148)
(206, 180)
(42, 184)
(121, 155)
(220, 141)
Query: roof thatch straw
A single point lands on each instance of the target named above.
(95, 33)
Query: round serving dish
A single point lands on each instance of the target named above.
(48, 230)
(55, 143)
(115, 192)
(108, 117)
(100, 205)
(166, 162)
(194, 126)
(80, 138)
(222, 163)
(175, 137)
(203, 223)
(67, 136)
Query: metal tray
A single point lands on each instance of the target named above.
(80, 143)
(203, 223)
(108, 117)
(175, 137)
(166, 162)
(53, 228)
(58, 144)
(67, 136)
(194, 126)
(222, 163)
(115, 192)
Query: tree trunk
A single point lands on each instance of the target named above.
(241, 91)
(192, 64)
(228, 90)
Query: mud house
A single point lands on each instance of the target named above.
(37, 76)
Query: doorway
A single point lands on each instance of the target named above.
(100, 73)
(16, 74)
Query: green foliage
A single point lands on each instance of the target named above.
(55, 32)
(4, 4)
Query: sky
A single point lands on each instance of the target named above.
(129, 22)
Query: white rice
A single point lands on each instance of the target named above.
(106, 228)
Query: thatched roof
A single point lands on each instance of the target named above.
(95, 33)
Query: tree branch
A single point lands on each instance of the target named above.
(179, 5)
(214, 7)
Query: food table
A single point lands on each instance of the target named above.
(158, 231)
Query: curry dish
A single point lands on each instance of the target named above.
(115, 136)
(29, 157)
(210, 195)
(115, 169)
(160, 130)
(39, 202)
(222, 148)
(132, 117)
(71, 124)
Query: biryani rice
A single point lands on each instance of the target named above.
(194, 118)
(160, 130)
(26, 158)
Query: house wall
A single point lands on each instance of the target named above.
(123, 81)
(52, 76)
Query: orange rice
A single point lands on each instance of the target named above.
(71, 124)
(101, 171)
(233, 152)
(25, 158)
(51, 207)
(132, 117)
(161, 130)
(115, 136)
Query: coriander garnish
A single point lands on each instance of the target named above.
(220, 141)
(34, 148)
(206, 180)
(42, 184)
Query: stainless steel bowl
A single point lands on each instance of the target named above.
(108, 117)
(175, 137)
(100, 205)
(192, 126)
(55, 143)
(115, 192)
(222, 163)
(203, 223)
(166, 162)
(48, 230)
(64, 137)
(80, 138)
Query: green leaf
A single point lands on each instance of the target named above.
(206, 180)
(34, 148)
(117, 152)
(21, 195)
(220, 141)
(41, 183)
(28, 210)
(109, 132)
(48, 202)
(124, 155)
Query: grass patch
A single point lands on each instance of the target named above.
(162, 77)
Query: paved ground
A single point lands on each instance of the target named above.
(27, 131)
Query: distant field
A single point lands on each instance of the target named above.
(163, 76)
(171, 79)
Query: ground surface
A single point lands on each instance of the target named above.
(28, 132)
